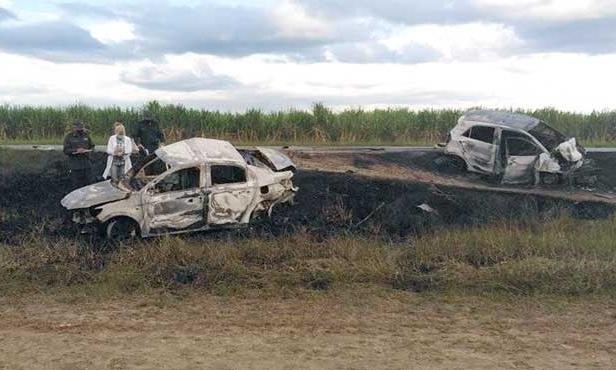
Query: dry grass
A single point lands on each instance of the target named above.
(564, 256)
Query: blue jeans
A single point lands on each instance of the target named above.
(117, 170)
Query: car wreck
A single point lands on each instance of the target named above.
(513, 148)
(191, 185)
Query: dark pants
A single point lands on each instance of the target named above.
(151, 148)
(157, 167)
(81, 177)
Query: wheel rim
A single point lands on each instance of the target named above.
(550, 179)
(456, 163)
(459, 164)
(121, 230)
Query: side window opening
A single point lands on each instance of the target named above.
(224, 174)
(151, 169)
(187, 178)
(467, 133)
(154, 168)
(518, 146)
(483, 133)
(145, 171)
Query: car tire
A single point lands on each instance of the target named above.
(547, 178)
(450, 164)
(121, 229)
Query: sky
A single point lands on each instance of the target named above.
(279, 54)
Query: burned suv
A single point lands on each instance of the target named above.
(513, 148)
(194, 184)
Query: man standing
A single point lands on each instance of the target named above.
(148, 135)
(77, 146)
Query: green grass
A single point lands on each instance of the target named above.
(319, 126)
(562, 257)
(98, 140)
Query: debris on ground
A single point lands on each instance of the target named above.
(426, 208)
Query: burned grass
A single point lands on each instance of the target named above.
(345, 230)
(31, 187)
(328, 204)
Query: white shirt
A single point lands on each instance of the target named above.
(112, 144)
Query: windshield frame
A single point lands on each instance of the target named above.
(126, 180)
(547, 135)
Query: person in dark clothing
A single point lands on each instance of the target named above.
(148, 135)
(77, 146)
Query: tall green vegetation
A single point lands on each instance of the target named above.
(320, 125)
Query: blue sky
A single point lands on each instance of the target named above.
(278, 54)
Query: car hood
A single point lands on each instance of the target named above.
(91, 195)
(278, 160)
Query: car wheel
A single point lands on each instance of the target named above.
(548, 178)
(450, 164)
(120, 229)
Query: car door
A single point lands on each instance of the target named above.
(175, 201)
(521, 154)
(479, 149)
(230, 193)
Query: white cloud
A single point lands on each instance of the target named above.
(567, 81)
(179, 73)
(560, 80)
(552, 9)
(293, 21)
(477, 64)
(112, 31)
(471, 40)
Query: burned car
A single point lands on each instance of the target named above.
(513, 148)
(194, 184)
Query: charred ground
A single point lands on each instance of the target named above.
(346, 230)
(328, 203)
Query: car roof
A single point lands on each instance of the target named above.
(199, 150)
(508, 119)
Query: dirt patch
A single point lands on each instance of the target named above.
(346, 330)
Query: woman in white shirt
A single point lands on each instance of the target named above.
(119, 149)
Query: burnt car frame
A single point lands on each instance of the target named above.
(195, 184)
(513, 148)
